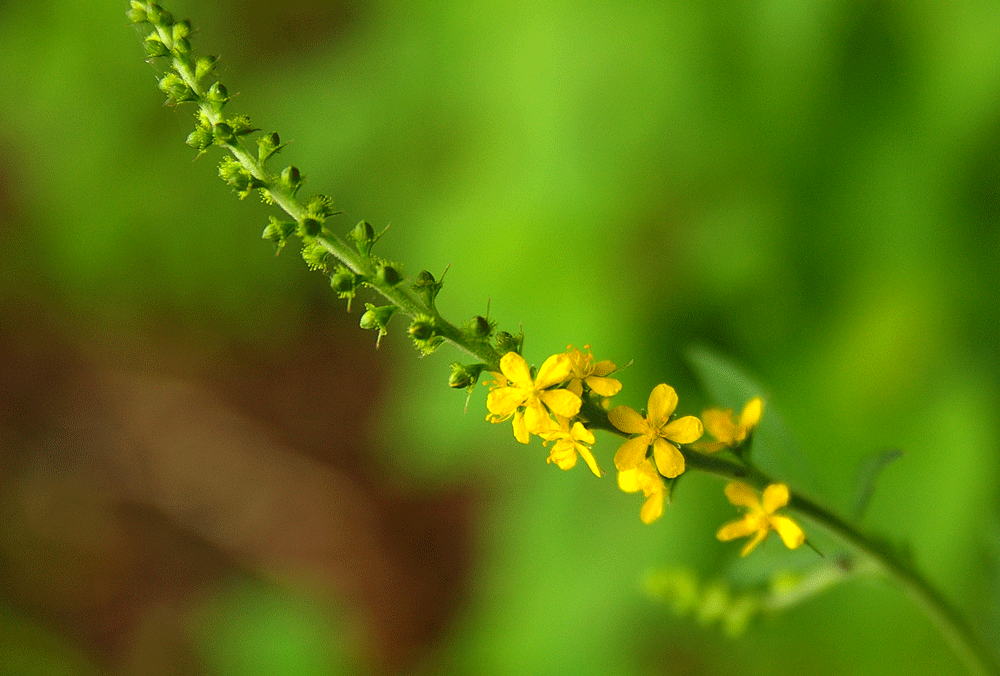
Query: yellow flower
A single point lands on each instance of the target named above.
(729, 433)
(569, 441)
(643, 477)
(583, 370)
(655, 429)
(515, 388)
(760, 518)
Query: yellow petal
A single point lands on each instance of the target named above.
(536, 419)
(775, 497)
(669, 460)
(581, 433)
(754, 541)
(563, 455)
(709, 446)
(515, 368)
(606, 387)
(652, 509)
(628, 420)
(751, 413)
(576, 387)
(719, 423)
(603, 368)
(741, 495)
(662, 402)
(736, 529)
(629, 480)
(588, 457)
(503, 400)
(790, 533)
(683, 430)
(520, 429)
(561, 402)
(631, 453)
(554, 370)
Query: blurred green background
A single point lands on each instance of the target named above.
(811, 188)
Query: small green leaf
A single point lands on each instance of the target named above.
(868, 473)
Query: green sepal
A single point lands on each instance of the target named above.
(241, 125)
(291, 179)
(278, 231)
(507, 342)
(465, 375)
(427, 287)
(315, 255)
(268, 145)
(377, 318)
(309, 227)
(320, 206)
(205, 65)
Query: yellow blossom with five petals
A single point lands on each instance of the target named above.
(643, 477)
(570, 441)
(730, 433)
(655, 429)
(515, 388)
(760, 518)
(583, 370)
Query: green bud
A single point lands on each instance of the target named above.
(315, 255)
(291, 179)
(203, 66)
(480, 327)
(181, 47)
(223, 134)
(363, 236)
(422, 328)
(217, 95)
(155, 48)
(278, 231)
(427, 287)
(345, 283)
(388, 275)
(176, 90)
(377, 318)
(137, 14)
(181, 29)
(200, 139)
(241, 125)
(509, 343)
(465, 376)
(159, 16)
(267, 145)
(320, 206)
(309, 227)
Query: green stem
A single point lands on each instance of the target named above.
(876, 556)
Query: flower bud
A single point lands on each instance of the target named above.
(267, 145)
(137, 14)
(217, 95)
(426, 287)
(509, 343)
(154, 47)
(377, 318)
(388, 275)
(291, 179)
(422, 329)
(363, 236)
(463, 376)
(223, 134)
(309, 227)
(203, 66)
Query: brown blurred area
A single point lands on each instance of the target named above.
(137, 477)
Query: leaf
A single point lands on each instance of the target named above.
(731, 386)
(868, 473)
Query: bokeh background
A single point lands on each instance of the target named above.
(207, 468)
